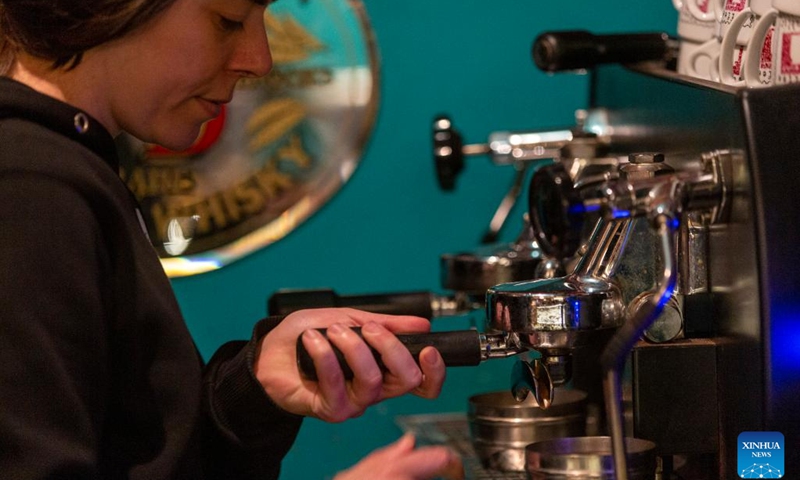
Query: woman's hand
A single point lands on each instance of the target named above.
(333, 398)
(400, 461)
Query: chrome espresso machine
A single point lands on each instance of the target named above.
(668, 278)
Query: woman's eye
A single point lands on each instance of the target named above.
(228, 24)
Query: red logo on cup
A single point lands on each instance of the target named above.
(790, 53)
(702, 5)
(735, 5)
(737, 62)
(766, 51)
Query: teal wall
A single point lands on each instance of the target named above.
(384, 231)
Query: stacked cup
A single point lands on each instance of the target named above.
(773, 55)
(735, 28)
(697, 29)
(740, 42)
(750, 32)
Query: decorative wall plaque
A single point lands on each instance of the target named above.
(276, 153)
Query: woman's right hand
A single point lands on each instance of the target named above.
(401, 461)
(334, 398)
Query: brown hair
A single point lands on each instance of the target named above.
(62, 30)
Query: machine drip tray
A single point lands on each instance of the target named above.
(452, 429)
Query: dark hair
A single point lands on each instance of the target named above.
(62, 30)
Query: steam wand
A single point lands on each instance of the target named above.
(613, 357)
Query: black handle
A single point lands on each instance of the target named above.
(418, 304)
(461, 348)
(577, 50)
(448, 153)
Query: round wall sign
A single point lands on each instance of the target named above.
(284, 145)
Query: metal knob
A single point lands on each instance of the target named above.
(447, 152)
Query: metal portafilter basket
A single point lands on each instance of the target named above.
(501, 427)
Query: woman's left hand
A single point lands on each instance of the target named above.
(333, 398)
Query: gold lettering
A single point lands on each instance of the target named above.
(250, 199)
(211, 214)
(271, 182)
(229, 207)
(160, 181)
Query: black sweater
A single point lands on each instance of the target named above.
(99, 377)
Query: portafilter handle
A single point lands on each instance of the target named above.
(423, 304)
(459, 348)
(580, 50)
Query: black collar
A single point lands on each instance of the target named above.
(20, 101)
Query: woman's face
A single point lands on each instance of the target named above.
(165, 80)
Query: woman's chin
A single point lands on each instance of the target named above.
(178, 142)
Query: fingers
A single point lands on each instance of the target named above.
(433, 373)
(329, 374)
(405, 375)
(424, 462)
(336, 399)
(366, 386)
(401, 461)
(393, 323)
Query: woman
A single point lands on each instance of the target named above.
(100, 378)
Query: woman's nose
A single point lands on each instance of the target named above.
(253, 57)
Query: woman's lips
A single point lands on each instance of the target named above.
(213, 107)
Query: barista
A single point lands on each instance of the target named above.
(99, 377)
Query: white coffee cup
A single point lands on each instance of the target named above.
(697, 19)
(733, 48)
(731, 10)
(783, 53)
(759, 63)
(700, 60)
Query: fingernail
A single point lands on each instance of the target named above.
(336, 329)
(313, 335)
(433, 358)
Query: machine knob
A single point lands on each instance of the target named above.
(448, 152)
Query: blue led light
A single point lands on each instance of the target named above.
(785, 343)
(576, 309)
(578, 209)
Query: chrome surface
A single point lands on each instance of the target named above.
(693, 251)
(508, 148)
(501, 426)
(587, 458)
(551, 313)
(532, 378)
(499, 345)
(506, 205)
(452, 430)
(668, 325)
(511, 147)
(614, 356)
(487, 266)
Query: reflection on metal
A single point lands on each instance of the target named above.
(276, 153)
